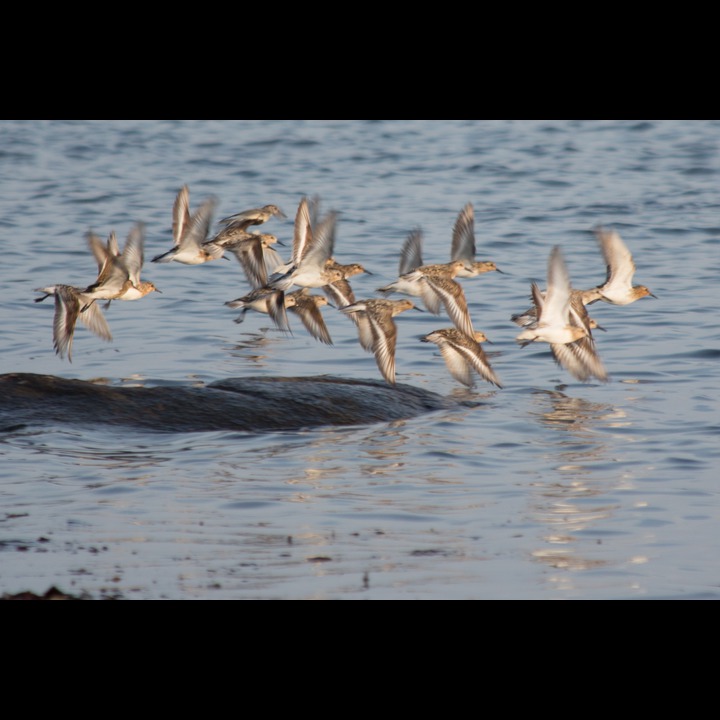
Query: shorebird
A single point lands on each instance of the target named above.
(267, 300)
(255, 216)
(413, 276)
(252, 249)
(563, 326)
(452, 296)
(275, 303)
(463, 245)
(131, 258)
(307, 308)
(118, 279)
(617, 288)
(577, 305)
(68, 301)
(463, 354)
(190, 232)
(340, 292)
(377, 330)
(434, 284)
(312, 248)
(113, 279)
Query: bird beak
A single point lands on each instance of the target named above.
(415, 307)
(500, 271)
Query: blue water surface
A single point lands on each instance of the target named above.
(547, 488)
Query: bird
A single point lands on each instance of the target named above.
(275, 302)
(413, 276)
(267, 300)
(340, 293)
(463, 245)
(348, 270)
(118, 279)
(132, 258)
(377, 329)
(452, 296)
(577, 299)
(552, 307)
(113, 279)
(255, 216)
(68, 303)
(190, 232)
(562, 324)
(617, 288)
(252, 250)
(463, 354)
(312, 248)
(307, 307)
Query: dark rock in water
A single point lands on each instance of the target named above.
(243, 404)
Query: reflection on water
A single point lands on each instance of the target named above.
(572, 502)
(252, 348)
(67, 445)
(385, 447)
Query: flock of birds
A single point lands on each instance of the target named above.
(558, 315)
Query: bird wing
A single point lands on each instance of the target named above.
(463, 236)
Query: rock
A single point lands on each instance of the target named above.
(244, 404)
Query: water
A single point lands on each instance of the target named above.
(550, 489)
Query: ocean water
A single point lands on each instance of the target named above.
(546, 489)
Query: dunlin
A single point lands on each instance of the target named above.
(190, 232)
(413, 275)
(118, 279)
(307, 308)
(577, 304)
(267, 300)
(253, 251)
(617, 288)
(113, 279)
(463, 354)
(312, 248)
(68, 301)
(552, 307)
(340, 292)
(463, 245)
(132, 258)
(377, 330)
(255, 216)
(452, 296)
(562, 324)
